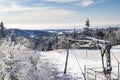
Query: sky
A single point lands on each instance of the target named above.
(58, 14)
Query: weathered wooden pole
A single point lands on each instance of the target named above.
(95, 75)
(108, 62)
(68, 43)
(118, 71)
(108, 68)
(85, 73)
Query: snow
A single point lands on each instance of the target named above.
(90, 58)
(59, 33)
(58, 57)
(98, 40)
(25, 64)
(19, 63)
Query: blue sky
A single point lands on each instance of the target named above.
(54, 14)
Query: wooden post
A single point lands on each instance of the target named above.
(118, 71)
(68, 42)
(84, 72)
(95, 76)
(86, 52)
(102, 57)
(108, 62)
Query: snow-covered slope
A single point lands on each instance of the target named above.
(20, 63)
(78, 59)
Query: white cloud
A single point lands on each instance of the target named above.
(12, 8)
(49, 17)
(43, 15)
(85, 3)
(1, 0)
(106, 23)
(37, 15)
(44, 26)
(60, 1)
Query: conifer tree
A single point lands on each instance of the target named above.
(2, 30)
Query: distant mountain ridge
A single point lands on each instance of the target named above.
(28, 33)
(38, 33)
(49, 32)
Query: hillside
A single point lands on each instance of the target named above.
(21, 63)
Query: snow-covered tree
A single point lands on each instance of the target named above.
(17, 62)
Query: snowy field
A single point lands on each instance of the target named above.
(20, 63)
(78, 59)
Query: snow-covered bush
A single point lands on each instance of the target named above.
(17, 62)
